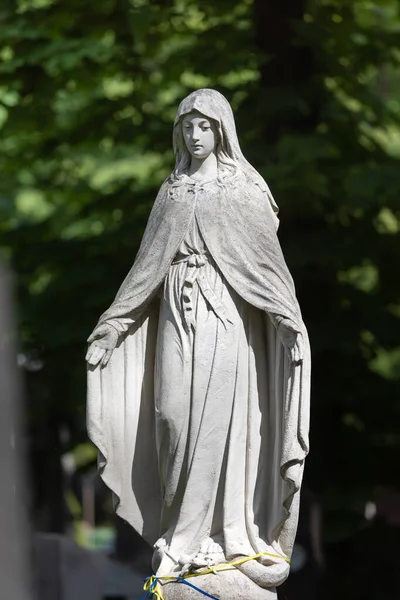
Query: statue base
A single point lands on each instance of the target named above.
(224, 585)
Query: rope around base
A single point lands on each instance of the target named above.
(152, 584)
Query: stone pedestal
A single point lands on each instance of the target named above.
(225, 585)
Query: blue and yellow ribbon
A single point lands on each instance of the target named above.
(152, 584)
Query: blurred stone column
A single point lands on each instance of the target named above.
(15, 539)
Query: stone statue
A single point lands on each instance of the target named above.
(199, 374)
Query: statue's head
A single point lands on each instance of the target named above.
(204, 123)
(200, 134)
(208, 114)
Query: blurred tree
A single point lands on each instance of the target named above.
(87, 98)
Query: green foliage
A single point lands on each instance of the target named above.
(87, 99)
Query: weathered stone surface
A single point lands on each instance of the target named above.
(226, 585)
(199, 372)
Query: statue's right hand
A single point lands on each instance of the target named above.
(102, 343)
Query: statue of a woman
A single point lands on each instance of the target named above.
(199, 371)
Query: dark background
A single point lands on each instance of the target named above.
(88, 93)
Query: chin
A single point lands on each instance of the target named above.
(200, 154)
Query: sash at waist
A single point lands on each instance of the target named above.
(196, 273)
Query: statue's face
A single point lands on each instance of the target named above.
(199, 134)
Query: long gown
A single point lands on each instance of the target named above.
(211, 402)
(201, 415)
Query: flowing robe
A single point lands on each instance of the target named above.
(201, 417)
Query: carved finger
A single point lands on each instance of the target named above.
(106, 358)
(297, 353)
(99, 353)
(89, 353)
(300, 345)
(96, 356)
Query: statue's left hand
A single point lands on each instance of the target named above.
(291, 339)
(102, 343)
